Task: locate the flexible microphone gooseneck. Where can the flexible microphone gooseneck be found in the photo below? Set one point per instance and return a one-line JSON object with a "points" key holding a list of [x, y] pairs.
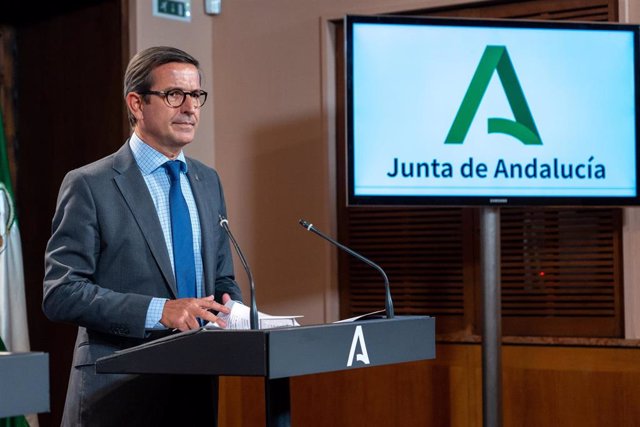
{"points": [[253, 319], [388, 301]]}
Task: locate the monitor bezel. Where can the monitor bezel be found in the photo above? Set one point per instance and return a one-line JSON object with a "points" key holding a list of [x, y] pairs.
{"points": [[495, 200]]}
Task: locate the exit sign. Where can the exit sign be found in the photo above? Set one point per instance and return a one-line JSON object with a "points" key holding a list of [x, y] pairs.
{"points": [[173, 9]]}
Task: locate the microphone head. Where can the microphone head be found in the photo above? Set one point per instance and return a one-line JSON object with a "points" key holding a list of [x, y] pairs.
{"points": [[305, 224], [222, 220]]}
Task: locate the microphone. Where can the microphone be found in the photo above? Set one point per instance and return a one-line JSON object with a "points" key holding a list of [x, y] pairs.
{"points": [[253, 316], [388, 302]]}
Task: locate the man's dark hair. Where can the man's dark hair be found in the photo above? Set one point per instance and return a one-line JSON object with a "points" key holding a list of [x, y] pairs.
{"points": [[137, 77]]}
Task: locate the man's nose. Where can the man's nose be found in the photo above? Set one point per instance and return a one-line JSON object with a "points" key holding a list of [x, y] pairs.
{"points": [[190, 103]]}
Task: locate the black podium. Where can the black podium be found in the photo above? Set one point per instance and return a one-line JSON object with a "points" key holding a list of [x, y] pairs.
{"points": [[278, 354], [24, 383]]}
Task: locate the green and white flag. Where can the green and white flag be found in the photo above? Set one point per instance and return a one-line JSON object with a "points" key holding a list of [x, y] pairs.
{"points": [[14, 334]]}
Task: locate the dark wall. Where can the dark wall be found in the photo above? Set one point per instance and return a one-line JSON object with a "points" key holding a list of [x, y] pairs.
{"points": [[70, 112]]}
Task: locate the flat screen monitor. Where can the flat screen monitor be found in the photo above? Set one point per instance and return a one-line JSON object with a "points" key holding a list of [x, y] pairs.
{"points": [[491, 112]]}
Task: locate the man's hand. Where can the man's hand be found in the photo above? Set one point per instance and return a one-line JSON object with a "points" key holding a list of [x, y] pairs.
{"points": [[182, 313]]}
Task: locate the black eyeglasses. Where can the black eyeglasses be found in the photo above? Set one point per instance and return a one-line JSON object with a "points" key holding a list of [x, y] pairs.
{"points": [[176, 97]]}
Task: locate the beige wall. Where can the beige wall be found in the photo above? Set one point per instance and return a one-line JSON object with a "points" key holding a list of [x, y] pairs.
{"points": [[269, 133], [629, 11], [274, 142]]}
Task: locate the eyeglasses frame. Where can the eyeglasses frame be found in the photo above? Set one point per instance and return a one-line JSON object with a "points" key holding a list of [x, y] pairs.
{"points": [[194, 94]]}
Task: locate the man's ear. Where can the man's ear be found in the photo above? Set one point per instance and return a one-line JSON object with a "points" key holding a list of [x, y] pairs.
{"points": [[134, 103]]}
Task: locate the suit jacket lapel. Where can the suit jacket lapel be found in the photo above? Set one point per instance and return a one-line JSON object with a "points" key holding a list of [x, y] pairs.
{"points": [[208, 222], [135, 192]]}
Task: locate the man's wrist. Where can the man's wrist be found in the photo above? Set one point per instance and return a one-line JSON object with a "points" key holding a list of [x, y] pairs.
{"points": [[154, 313]]}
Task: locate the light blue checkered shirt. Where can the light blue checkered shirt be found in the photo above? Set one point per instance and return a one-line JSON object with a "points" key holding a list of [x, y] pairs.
{"points": [[155, 176]]}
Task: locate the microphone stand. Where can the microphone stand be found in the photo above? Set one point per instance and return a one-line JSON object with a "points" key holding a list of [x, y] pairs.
{"points": [[253, 317], [388, 301]]}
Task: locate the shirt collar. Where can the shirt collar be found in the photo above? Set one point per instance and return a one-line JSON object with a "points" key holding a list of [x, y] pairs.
{"points": [[148, 158]]}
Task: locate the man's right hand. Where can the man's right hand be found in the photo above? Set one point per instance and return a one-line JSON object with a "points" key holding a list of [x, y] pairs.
{"points": [[183, 313]]}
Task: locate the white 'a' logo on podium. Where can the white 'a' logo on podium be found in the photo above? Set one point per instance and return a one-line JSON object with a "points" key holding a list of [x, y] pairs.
{"points": [[363, 356]]}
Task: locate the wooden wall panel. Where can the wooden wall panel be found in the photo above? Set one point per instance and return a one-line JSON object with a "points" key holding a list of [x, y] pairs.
{"points": [[571, 386], [70, 112], [241, 402], [7, 95]]}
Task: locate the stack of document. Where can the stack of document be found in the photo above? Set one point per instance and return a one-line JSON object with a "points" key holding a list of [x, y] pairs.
{"points": [[239, 318]]}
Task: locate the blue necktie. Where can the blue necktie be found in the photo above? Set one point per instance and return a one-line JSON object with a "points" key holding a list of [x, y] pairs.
{"points": [[183, 258]]}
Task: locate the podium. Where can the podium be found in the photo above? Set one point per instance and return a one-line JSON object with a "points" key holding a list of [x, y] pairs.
{"points": [[24, 383], [278, 354]]}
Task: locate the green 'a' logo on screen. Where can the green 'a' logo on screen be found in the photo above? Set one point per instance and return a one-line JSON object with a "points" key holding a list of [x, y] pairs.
{"points": [[523, 128]]}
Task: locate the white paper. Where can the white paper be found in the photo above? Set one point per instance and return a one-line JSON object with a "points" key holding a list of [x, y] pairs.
{"points": [[239, 318], [373, 315]]}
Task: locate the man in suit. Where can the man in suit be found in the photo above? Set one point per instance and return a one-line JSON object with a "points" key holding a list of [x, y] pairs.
{"points": [[136, 252]]}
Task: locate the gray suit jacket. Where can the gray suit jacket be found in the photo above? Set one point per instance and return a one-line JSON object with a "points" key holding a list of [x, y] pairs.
{"points": [[105, 260]]}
